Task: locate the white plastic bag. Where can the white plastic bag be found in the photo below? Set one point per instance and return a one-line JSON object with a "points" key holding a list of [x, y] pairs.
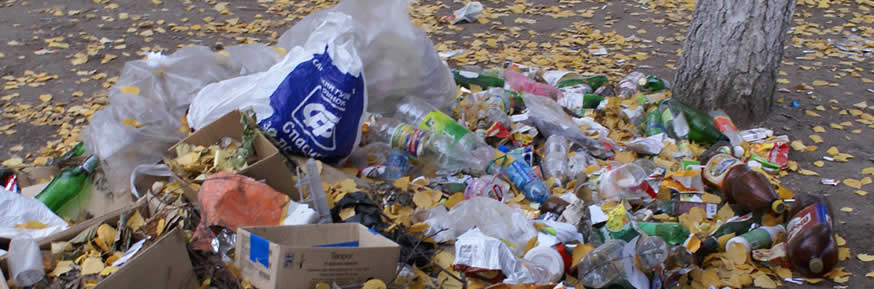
{"points": [[311, 102], [477, 251], [16, 209], [491, 216], [155, 92], [399, 59]]}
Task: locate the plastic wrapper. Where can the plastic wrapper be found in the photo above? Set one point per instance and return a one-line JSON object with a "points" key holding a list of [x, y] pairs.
{"points": [[651, 145], [477, 253], [16, 209], [399, 60], [25, 262], [627, 181], [150, 98], [469, 13], [492, 217], [549, 118]]}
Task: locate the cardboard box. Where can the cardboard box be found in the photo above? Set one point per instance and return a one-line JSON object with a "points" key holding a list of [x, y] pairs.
{"points": [[163, 264], [270, 166], [298, 257]]}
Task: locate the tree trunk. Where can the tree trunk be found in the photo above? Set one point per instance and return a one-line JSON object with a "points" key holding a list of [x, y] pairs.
{"points": [[731, 55]]}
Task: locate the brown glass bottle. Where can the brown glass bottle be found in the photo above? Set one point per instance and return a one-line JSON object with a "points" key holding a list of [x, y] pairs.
{"points": [[811, 245], [553, 205], [741, 185]]}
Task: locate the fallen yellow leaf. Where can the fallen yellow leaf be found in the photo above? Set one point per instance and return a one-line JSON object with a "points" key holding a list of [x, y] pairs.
{"points": [[61, 268], [846, 209], [92, 265], [45, 97], [108, 270], [807, 172], [135, 221], [130, 89], [32, 225], [818, 129], [843, 253], [374, 284], [815, 138], [402, 183], [865, 257], [812, 113], [453, 200], [132, 122]]}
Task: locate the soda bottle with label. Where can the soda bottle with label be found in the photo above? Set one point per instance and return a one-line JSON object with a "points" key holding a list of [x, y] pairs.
{"points": [[441, 151], [723, 122], [741, 185], [519, 82], [523, 177], [812, 247], [428, 117]]}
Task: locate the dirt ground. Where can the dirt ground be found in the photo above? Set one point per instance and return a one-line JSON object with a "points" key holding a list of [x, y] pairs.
{"points": [[48, 92]]}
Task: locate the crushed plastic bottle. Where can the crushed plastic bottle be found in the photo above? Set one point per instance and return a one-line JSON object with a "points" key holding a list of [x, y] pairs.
{"points": [[525, 180], [628, 85]]}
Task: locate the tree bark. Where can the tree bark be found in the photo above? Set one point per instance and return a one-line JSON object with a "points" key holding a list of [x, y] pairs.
{"points": [[731, 55]]}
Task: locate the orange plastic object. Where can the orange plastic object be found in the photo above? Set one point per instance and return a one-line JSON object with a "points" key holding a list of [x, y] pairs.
{"points": [[231, 200]]}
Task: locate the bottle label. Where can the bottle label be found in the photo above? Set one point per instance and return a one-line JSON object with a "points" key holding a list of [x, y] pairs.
{"points": [[438, 122], [758, 238], [408, 138], [717, 168], [667, 116], [519, 173], [724, 124], [806, 218], [372, 171]]}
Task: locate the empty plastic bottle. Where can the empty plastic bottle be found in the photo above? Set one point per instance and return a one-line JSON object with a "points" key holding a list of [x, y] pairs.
{"points": [[555, 159], [741, 185], [674, 122], [628, 85], [489, 186], [441, 151], [517, 81], [603, 266], [812, 247], [723, 122], [524, 179], [313, 183], [761, 237], [397, 164], [427, 117]]}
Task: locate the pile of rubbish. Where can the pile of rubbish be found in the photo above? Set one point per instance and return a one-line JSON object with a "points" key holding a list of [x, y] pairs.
{"points": [[285, 167]]}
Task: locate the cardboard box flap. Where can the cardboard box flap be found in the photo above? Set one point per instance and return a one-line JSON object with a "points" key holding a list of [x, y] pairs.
{"points": [[165, 262], [321, 236]]}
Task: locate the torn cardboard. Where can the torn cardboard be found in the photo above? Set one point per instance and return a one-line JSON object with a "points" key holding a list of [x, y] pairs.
{"points": [[164, 264], [269, 167], [298, 257]]}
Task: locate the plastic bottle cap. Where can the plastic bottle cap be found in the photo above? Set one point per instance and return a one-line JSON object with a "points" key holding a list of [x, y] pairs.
{"points": [[778, 206], [816, 265]]}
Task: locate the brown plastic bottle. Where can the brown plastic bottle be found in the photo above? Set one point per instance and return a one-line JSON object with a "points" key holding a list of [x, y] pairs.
{"points": [[741, 185], [812, 248]]}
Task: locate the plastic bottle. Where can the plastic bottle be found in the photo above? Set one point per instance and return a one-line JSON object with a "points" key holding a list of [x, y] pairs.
{"points": [[737, 225], [652, 83], [555, 159], [25, 262], [489, 186], [677, 208], [67, 185], [428, 117], [550, 259], [466, 78], [627, 181], [524, 178], [812, 247], [724, 124], [654, 122], [674, 122], [517, 81], [671, 232], [741, 185], [651, 251], [603, 266], [761, 237], [397, 164], [440, 151], [628, 85]]}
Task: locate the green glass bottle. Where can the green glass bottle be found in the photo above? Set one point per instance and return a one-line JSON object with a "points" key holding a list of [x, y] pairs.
{"points": [[673, 233], [701, 128], [466, 78], [77, 150], [67, 185], [596, 81], [652, 83], [654, 122]]}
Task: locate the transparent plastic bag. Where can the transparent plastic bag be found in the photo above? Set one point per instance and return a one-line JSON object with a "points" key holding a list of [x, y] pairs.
{"points": [[155, 92], [492, 217], [475, 251], [550, 119], [399, 59]]}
